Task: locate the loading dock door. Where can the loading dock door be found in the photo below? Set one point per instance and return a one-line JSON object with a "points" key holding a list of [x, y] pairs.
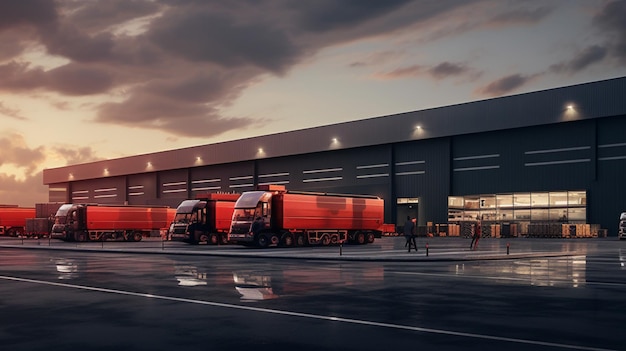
{"points": [[406, 207]]}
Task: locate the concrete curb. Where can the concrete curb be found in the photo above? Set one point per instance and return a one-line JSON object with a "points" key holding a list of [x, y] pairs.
{"points": [[267, 254]]}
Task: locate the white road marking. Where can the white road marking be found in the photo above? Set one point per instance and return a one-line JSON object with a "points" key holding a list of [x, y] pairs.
{"points": [[308, 315]]}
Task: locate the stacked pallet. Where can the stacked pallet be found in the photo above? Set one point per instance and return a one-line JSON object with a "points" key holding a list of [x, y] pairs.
{"points": [[580, 230], [454, 229]]}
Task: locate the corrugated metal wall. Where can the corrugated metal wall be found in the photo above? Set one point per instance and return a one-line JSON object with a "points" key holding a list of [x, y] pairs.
{"points": [[575, 155]]}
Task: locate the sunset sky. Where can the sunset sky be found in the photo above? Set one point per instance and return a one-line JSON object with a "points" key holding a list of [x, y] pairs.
{"points": [[84, 80]]}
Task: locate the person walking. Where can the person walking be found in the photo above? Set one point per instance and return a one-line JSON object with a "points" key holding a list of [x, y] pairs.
{"points": [[409, 233], [476, 236]]}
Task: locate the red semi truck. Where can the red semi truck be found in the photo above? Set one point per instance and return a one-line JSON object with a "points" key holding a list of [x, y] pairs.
{"points": [[204, 220], [13, 219], [86, 222], [301, 218]]}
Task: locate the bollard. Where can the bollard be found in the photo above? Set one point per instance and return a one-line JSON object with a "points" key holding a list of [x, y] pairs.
{"points": [[341, 249], [426, 249], [507, 248]]}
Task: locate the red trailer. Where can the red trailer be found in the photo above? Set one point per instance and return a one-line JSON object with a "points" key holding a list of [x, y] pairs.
{"points": [[85, 222], [205, 219], [299, 218], [13, 219]]}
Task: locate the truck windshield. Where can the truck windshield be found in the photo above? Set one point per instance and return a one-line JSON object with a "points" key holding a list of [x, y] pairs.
{"points": [[61, 215], [244, 214], [185, 217]]}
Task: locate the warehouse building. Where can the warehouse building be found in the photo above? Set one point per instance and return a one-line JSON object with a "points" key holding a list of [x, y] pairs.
{"points": [[554, 156]]}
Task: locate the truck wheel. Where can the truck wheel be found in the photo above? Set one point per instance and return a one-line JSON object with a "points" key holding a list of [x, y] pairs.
{"points": [[360, 238], [370, 238], [325, 240], [213, 239], [137, 236], [263, 241], [300, 241], [223, 239], [203, 238], [79, 237], [274, 240], [287, 240]]}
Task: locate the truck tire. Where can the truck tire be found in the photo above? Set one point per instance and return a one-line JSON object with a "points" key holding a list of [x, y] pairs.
{"points": [[370, 238], [300, 240], [203, 238], [274, 240], [287, 240], [213, 239], [359, 238], [137, 236], [79, 236], [263, 241], [223, 239], [325, 240]]}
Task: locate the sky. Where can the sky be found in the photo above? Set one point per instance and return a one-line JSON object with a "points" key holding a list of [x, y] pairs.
{"points": [[87, 80]]}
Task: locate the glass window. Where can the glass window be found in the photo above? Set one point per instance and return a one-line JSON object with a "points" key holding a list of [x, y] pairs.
{"points": [[487, 202], [522, 215], [558, 214], [577, 198], [455, 201], [539, 215], [521, 200], [505, 215], [504, 200], [455, 215], [558, 199], [471, 215], [472, 202], [577, 215], [539, 199]]}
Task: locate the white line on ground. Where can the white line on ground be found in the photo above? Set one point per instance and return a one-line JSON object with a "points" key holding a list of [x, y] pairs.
{"points": [[307, 315]]}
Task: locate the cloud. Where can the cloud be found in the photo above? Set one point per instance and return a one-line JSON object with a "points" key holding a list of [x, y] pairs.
{"points": [[75, 155], [10, 112], [24, 186], [14, 151], [240, 44], [582, 60], [519, 16], [26, 12], [160, 113], [505, 85], [23, 192], [403, 72], [70, 79], [611, 21], [447, 69], [325, 15], [438, 72]]}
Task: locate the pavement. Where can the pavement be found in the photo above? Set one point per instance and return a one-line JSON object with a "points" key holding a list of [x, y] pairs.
{"points": [[383, 249]]}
